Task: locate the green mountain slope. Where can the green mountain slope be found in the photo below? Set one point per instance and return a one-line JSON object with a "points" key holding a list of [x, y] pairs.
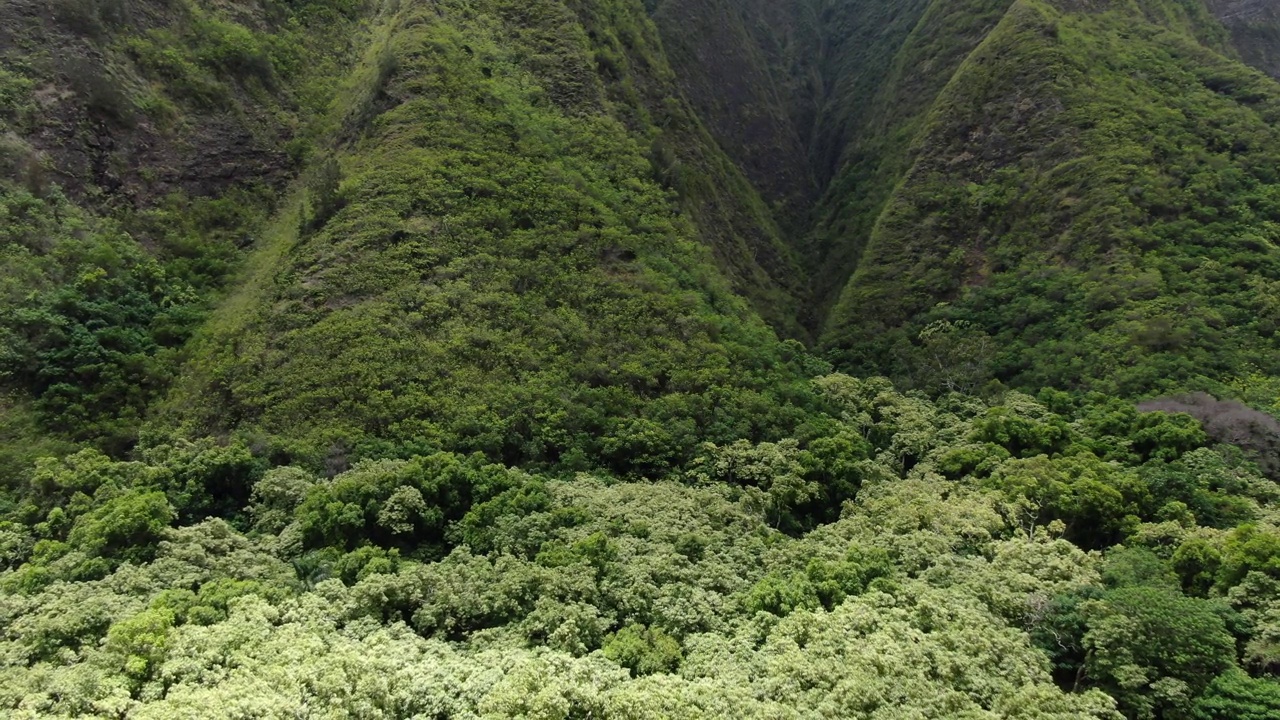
{"points": [[750, 70], [884, 85], [1255, 31], [140, 146], [499, 269], [730, 216], [906, 218], [818, 102], [1092, 190], [460, 359]]}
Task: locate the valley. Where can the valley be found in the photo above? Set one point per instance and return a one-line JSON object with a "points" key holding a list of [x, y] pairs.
{"points": [[640, 359]]}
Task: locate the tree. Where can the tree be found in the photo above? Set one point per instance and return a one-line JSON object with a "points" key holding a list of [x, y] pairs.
{"points": [[277, 496], [954, 356], [1154, 649], [1236, 696], [644, 650], [779, 469], [126, 527], [324, 191], [139, 642]]}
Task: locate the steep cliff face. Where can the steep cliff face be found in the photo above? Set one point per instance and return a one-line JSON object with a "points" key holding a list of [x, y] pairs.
{"points": [[130, 100], [502, 259], [818, 101], [737, 214], [752, 71], [1255, 30], [884, 83], [943, 139], [1091, 191], [141, 144]]}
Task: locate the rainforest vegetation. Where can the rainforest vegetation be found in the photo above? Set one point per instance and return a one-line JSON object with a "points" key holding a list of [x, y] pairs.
{"points": [[877, 359]]}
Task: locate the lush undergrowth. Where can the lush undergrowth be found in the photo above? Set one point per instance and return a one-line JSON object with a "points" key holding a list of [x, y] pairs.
{"points": [[109, 265], [89, 320], [490, 265], [1093, 193], [1017, 558], [449, 379]]}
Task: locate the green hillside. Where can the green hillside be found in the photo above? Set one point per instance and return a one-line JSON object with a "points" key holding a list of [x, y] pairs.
{"points": [[640, 359], [1091, 193], [490, 262], [141, 146], [819, 103]]}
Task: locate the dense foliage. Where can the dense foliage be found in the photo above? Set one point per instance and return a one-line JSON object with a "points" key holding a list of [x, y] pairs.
{"points": [[1001, 559], [108, 268], [451, 378], [1093, 191], [490, 266]]}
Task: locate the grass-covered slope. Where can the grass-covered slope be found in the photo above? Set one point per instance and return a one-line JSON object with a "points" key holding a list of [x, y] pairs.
{"points": [[141, 144], [489, 263], [887, 63], [1093, 200]]}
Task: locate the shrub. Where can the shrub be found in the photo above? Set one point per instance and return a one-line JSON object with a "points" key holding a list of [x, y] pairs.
{"points": [[644, 650]]}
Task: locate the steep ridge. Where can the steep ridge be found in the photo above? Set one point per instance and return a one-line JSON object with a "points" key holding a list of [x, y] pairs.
{"points": [[1093, 191], [1255, 31], [141, 143], [751, 71], [911, 212], [865, 87], [730, 215], [883, 87], [813, 147], [818, 101], [148, 142], [491, 264]]}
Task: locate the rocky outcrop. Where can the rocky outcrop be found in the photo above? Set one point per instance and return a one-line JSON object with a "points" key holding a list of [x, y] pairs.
{"points": [[1255, 30], [103, 131]]}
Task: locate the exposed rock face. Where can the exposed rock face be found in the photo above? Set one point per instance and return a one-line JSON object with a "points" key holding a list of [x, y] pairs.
{"points": [[1242, 10], [86, 120], [1255, 30]]}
